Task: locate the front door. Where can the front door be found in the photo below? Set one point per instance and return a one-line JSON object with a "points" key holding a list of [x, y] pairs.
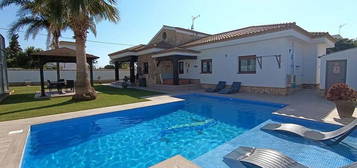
{"points": [[335, 72]]}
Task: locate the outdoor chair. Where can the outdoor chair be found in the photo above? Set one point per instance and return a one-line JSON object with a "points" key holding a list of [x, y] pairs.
{"points": [[221, 85], [307, 133], [51, 85], [70, 85], [234, 88], [247, 157]]}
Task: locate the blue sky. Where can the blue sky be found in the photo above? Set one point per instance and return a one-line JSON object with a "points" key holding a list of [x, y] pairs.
{"points": [[141, 19]]}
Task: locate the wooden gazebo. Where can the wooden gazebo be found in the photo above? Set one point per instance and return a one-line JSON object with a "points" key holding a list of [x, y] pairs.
{"points": [[60, 55]]}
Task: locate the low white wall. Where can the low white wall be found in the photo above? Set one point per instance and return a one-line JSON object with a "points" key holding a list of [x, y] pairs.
{"points": [[351, 57], [17, 76]]}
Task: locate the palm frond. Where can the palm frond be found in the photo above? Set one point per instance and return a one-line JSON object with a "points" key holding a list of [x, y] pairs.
{"points": [[34, 28], [6, 3], [28, 21], [92, 26]]}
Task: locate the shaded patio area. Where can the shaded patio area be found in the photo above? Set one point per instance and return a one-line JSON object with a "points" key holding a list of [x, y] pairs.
{"points": [[59, 55]]}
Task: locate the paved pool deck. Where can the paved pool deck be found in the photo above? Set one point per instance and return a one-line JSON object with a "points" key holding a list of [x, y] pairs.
{"points": [[307, 104]]}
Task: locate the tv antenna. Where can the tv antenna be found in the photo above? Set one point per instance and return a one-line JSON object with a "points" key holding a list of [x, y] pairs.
{"points": [[340, 27], [193, 21]]}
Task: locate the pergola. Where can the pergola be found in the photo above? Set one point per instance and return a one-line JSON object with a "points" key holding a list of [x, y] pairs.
{"points": [[131, 59], [60, 55]]}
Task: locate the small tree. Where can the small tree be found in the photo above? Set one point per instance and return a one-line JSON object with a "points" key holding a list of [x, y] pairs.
{"points": [[31, 63], [109, 67], [343, 44], [13, 51]]}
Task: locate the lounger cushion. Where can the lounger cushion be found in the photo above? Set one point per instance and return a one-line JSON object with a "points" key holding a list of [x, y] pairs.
{"points": [[259, 158], [221, 85], [226, 91]]}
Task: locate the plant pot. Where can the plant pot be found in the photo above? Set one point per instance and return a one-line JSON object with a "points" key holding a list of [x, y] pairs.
{"points": [[345, 108]]}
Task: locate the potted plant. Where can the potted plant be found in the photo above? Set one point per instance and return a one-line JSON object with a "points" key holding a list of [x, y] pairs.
{"points": [[125, 84], [344, 97]]}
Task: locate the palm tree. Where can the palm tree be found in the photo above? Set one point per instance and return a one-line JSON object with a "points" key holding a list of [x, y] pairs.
{"points": [[35, 17], [81, 15]]}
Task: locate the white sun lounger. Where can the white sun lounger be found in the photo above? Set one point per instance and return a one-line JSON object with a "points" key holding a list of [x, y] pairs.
{"points": [[247, 157], [300, 130]]}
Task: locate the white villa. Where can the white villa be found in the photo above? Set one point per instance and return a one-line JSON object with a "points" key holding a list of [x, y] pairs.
{"points": [[272, 59]]}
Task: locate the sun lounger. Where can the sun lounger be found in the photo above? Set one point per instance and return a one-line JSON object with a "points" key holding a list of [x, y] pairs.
{"points": [[234, 88], [221, 85], [264, 158], [307, 133], [247, 157]]}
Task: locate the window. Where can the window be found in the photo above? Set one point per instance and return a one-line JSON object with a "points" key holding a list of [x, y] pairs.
{"points": [[247, 64], [146, 68], [206, 66], [164, 35], [181, 67]]}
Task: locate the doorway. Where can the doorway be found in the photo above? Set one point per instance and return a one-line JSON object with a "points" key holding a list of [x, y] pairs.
{"points": [[335, 72]]}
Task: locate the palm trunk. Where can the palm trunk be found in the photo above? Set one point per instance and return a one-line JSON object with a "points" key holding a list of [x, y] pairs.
{"points": [[55, 40], [83, 88]]}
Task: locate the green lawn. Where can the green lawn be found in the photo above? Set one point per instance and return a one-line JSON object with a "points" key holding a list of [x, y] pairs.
{"points": [[22, 104]]}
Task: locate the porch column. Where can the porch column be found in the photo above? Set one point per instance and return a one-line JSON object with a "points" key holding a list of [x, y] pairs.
{"points": [[132, 70], [116, 64], [58, 71], [43, 94], [175, 70], [91, 72]]}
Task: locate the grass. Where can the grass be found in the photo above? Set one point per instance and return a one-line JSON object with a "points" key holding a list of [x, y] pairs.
{"points": [[22, 103]]}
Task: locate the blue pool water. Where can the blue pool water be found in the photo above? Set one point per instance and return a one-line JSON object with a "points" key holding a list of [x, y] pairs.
{"points": [[141, 137]]}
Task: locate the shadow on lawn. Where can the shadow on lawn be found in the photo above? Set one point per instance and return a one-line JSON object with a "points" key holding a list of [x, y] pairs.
{"points": [[20, 98], [136, 93], [41, 107]]}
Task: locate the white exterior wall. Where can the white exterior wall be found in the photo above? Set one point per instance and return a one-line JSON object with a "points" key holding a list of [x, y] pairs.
{"points": [[321, 51], [33, 76], [305, 62], [299, 56], [225, 61], [351, 57]]}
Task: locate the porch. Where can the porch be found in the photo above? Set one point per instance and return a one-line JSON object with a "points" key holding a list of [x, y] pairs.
{"points": [[132, 60], [170, 74]]}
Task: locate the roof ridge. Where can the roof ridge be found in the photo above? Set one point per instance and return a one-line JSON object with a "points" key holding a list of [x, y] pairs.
{"points": [[287, 23], [176, 27], [251, 31]]}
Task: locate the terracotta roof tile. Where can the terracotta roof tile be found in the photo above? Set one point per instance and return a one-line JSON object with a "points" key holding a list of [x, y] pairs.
{"points": [[177, 49], [322, 34], [61, 52], [162, 45], [130, 49], [248, 32]]}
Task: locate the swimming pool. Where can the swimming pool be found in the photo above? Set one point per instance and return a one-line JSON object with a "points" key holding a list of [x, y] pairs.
{"points": [[142, 137]]}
